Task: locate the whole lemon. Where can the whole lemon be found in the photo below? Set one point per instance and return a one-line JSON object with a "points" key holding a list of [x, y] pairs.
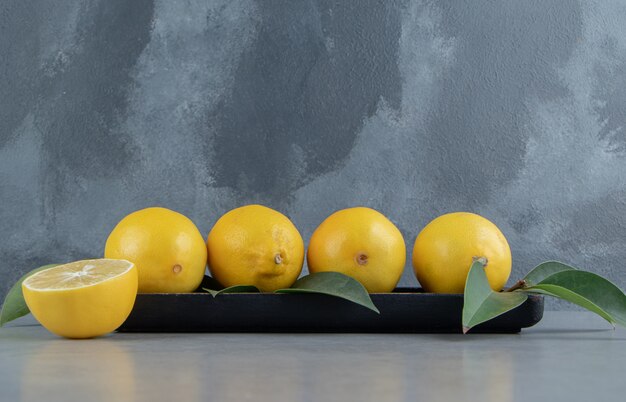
{"points": [[362, 243], [255, 245], [165, 245], [445, 249], [82, 299]]}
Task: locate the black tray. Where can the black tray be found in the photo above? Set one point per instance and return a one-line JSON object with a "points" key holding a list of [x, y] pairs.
{"points": [[406, 310]]}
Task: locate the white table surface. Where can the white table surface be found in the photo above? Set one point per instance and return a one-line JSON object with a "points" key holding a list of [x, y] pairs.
{"points": [[568, 356]]}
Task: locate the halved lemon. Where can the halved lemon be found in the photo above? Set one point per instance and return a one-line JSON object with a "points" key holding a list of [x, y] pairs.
{"points": [[82, 299]]}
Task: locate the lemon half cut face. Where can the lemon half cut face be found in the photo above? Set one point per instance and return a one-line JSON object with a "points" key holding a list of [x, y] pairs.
{"points": [[82, 299]]}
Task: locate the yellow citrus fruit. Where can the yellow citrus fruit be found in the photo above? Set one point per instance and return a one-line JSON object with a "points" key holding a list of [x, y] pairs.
{"points": [[445, 249], [255, 245], [361, 243], [82, 299], [166, 246]]}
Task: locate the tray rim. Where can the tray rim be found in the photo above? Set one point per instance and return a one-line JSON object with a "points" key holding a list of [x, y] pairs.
{"points": [[146, 317], [402, 291]]}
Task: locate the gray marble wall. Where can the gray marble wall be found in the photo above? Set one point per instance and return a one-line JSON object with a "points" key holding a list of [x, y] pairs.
{"points": [[511, 109]]}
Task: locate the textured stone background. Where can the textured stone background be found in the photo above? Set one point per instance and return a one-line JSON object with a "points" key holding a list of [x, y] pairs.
{"points": [[514, 110]]}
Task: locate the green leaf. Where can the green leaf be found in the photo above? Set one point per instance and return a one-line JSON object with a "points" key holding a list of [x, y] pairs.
{"points": [[544, 270], [481, 303], [587, 290], [333, 284], [233, 289], [14, 305]]}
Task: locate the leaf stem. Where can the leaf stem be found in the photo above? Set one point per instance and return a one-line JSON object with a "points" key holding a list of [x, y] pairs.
{"points": [[517, 285]]}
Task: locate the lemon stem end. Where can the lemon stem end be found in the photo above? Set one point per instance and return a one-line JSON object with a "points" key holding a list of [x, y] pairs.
{"points": [[482, 260], [361, 259]]}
